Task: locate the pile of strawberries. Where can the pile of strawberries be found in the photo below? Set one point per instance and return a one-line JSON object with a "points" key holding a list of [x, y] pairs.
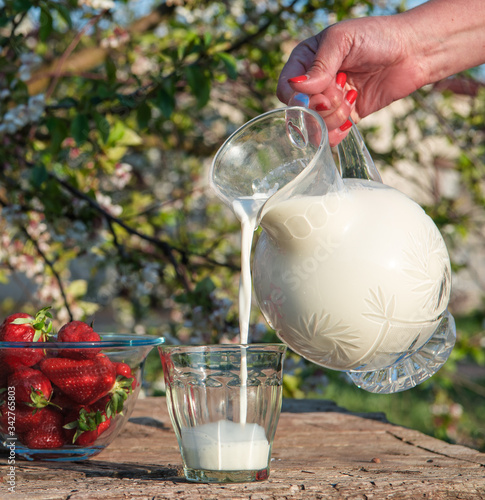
{"points": [[62, 396]]}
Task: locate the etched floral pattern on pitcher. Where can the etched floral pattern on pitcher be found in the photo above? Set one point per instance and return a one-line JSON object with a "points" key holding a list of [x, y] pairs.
{"points": [[363, 275]]}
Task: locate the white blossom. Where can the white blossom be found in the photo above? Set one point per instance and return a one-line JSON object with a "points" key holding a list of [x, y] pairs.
{"points": [[23, 114], [142, 65], [28, 61], [77, 231], [107, 204], [98, 4], [150, 273], [116, 39], [122, 175], [190, 16]]}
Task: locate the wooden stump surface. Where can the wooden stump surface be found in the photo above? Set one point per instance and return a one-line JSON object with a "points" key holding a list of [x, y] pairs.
{"points": [[320, 451]]}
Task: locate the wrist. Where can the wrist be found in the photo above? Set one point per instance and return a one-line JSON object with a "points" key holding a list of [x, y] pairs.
{"points": [[444, 37]]}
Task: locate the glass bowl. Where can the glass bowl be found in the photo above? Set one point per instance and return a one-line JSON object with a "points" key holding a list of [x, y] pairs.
{"points": [[76, 398]]}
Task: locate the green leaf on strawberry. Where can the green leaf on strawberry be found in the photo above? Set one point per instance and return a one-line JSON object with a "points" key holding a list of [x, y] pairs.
{"points": [[89, 424], [30, 387], [19, 327], [2, 400], [40, 324], [38, 400], [119, 394]]}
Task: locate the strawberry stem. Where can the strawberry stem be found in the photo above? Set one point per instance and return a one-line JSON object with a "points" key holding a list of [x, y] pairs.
{"points": [[40, 323], [87, 421]]}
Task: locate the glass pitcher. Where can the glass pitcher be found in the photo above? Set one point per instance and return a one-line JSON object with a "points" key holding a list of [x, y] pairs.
{"points": [[350, 273]]}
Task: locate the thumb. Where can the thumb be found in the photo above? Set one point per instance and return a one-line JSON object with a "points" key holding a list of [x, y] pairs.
{"points": [[326, 63]]}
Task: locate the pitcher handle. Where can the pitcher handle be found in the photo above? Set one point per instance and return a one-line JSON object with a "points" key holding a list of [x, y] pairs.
{"points": [[354, 158]]}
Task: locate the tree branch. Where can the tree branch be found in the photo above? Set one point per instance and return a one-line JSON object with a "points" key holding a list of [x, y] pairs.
{"points": [[62, 60], [91, 57], [49, 263], [166, 249]]}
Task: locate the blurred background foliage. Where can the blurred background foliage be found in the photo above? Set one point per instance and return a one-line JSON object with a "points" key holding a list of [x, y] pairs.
{"points": [[110, 114]]}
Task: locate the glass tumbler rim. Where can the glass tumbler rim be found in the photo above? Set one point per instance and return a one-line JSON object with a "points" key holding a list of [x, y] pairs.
{"points": [[223, 347]]}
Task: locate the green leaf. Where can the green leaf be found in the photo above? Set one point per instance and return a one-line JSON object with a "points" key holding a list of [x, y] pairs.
{"points": [[67, 102], [199, 84], [80, 128], [230, 64], [116, 132], [207, 38], [57, 131], [22, 5], [21, 321], [38, 176], [110, 68], [205, 287], [37, 335], [143, 115], [102, 125], [46, 22], [63, 12], [131, 138], [165, 102], [71, 425]]}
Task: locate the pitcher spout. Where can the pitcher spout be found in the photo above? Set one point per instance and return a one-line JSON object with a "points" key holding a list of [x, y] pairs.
{"points": [[280, 154]]}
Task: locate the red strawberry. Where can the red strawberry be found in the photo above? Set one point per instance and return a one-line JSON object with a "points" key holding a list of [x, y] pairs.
{"points": [[114, 401], [124, 370], [84, 427], [21, 327], [64, 403], [78, 331], [83, 380], [102, 404], [31, 387], [26, 418], [90, 437], [4, 373], [49, 434]]}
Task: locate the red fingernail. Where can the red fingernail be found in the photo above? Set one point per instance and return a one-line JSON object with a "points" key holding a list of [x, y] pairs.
{"points": [[321, 107], [351, 96], [346, 126], [298, 79], [341, 79]]}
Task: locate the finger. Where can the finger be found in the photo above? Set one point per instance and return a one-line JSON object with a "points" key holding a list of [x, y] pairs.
{"points": [[332, 46], [318, 102], [303, 72], [339, 116], [284, 90], [299, 61], [336, 91], [321, 104], [336, 136]]}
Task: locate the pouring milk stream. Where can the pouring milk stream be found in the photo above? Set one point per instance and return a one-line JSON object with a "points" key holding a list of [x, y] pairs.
{"points": [[246, 210], [226, 445]]}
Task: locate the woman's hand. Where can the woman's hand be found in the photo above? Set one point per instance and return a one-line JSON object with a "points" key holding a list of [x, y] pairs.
{"points": [[352, 68], [382, 59]]}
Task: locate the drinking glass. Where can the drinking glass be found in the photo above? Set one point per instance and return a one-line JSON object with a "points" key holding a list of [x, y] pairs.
{"points": [[224, 402]]}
